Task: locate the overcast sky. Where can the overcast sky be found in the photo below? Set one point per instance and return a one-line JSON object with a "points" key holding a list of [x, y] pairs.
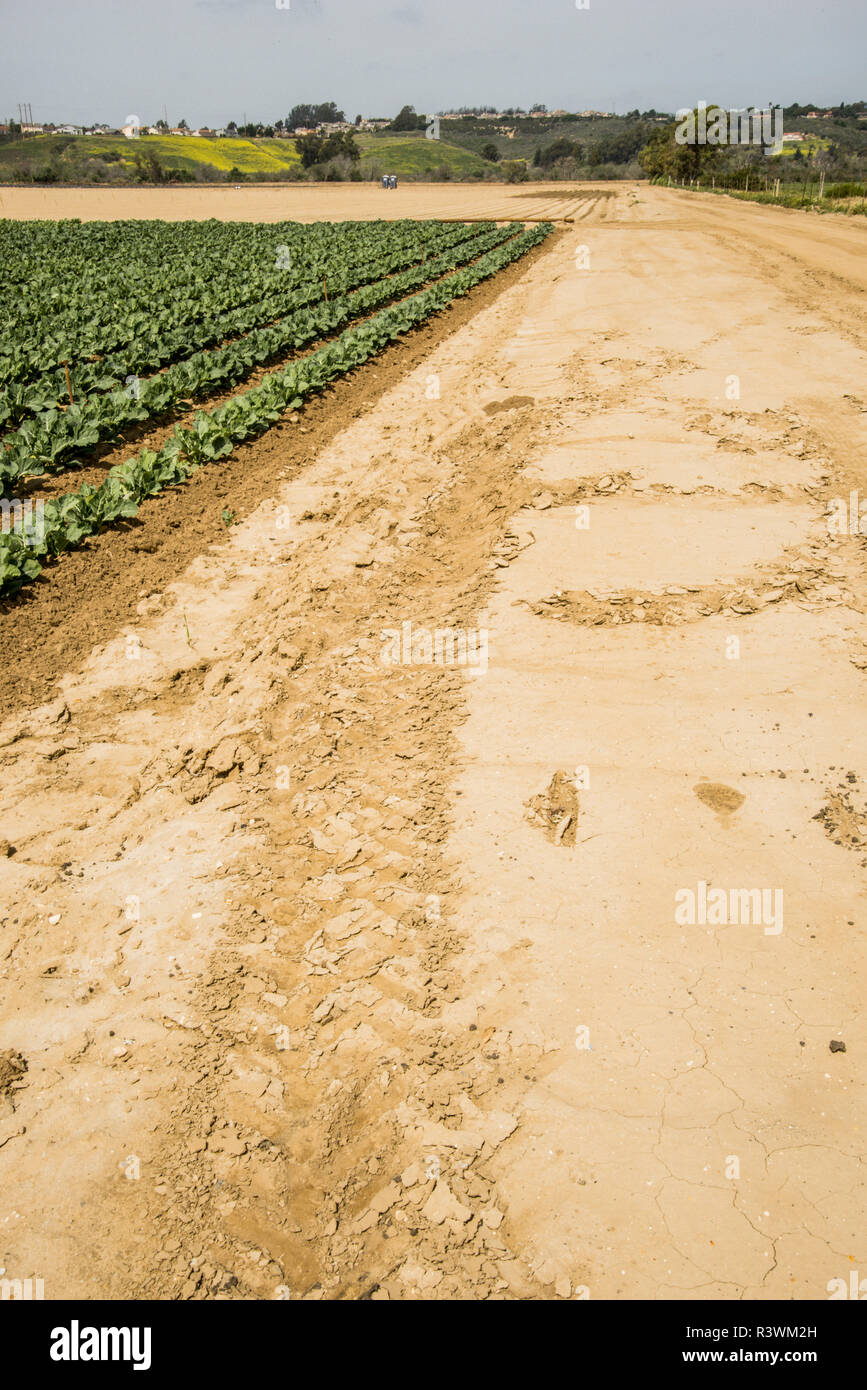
{"points": [[210, 61]]}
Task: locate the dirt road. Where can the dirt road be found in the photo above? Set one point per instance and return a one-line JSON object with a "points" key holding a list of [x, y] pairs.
{"points": [[330, 976]]}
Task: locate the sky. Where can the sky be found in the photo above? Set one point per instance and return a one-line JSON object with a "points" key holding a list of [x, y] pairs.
{"points": [[212, 61]]}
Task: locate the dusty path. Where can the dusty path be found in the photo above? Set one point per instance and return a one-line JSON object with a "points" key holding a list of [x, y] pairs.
{"points": [[342, 979]]}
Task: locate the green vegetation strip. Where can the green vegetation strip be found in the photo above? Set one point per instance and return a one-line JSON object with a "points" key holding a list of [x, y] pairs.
{"points": [[44, 444], [65, 522], [71, 294], [202, 319]]}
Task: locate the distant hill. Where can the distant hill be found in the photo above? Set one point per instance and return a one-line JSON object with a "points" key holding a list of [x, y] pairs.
{"points": [[416, 155], [107, 159]]}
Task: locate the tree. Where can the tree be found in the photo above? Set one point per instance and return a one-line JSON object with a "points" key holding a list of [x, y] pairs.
{"points": [[307, 115], [490, 152], [162, 125], [559, 149], [182, 125], [515, 170], [678, 150], [406, 119], [317, 149], [148, 169]]}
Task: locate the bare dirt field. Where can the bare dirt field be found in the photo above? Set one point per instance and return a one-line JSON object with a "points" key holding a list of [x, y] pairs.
{"points": [[313, 202], [330, 978]]}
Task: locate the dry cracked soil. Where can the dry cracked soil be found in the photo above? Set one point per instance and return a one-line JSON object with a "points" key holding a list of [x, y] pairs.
{"points": [[334, 971]]}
